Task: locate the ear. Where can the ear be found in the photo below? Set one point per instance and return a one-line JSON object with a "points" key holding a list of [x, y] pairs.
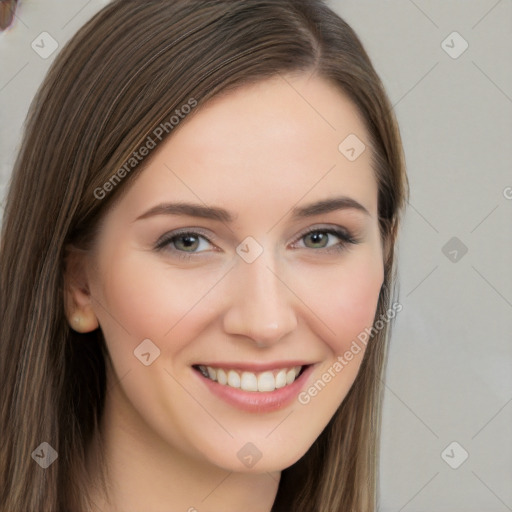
{"points": [[77, 296]]}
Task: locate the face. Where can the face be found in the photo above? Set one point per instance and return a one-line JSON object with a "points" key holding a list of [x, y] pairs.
{"points": [[267, 293]]}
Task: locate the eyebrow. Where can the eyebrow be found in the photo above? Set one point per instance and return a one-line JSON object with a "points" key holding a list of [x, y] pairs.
{"points": [[222, 215]]}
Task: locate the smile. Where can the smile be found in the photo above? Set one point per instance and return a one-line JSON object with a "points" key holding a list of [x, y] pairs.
{"points": [[255, 388], [252, 381]]}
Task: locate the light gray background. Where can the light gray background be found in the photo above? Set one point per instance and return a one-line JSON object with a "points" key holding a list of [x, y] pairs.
{"points": [[450, 370]]}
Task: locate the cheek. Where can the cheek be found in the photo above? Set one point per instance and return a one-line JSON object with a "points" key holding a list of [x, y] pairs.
{"points": [[346, 300], [143, 298]]}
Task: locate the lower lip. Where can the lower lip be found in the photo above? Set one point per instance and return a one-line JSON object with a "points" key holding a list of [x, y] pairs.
{"points": [[256, 401]]}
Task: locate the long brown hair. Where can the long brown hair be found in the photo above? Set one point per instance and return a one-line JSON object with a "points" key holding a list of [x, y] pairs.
{"points": [[123, 74]]}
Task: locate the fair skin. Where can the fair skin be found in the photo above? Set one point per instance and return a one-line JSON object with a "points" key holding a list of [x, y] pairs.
{"points": [[258, 152]]}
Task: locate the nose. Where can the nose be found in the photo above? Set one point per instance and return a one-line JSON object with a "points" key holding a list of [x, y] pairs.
{"points": [[261, 306]]}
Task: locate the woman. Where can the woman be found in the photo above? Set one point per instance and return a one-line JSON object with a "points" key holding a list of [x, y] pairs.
{"points": [[197, 265]]}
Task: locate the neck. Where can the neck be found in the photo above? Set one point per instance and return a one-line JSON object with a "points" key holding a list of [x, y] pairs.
{"points": [[145, 473]]}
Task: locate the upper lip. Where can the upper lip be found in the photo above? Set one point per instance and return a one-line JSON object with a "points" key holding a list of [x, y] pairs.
{"points": [[254, 367]]}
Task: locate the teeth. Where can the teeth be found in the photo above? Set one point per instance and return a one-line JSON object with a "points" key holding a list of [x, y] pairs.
{"points": [[266, 382], [249, 381], [204, 371], [281, 379], [233, 379], [290, 376], [222, 377]]}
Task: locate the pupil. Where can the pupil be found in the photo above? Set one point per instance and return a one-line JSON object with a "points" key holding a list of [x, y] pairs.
{"points": [[188, 241], [317, 237]]}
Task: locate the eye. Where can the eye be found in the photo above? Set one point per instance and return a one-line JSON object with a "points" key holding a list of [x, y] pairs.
{"points": [[325, 238], [183, 243]]}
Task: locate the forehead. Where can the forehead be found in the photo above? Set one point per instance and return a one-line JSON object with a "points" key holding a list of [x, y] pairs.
{"points": [[273, 141]]}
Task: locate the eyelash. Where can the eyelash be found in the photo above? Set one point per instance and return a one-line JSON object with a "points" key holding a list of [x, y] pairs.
{"points": [[165, 241]]}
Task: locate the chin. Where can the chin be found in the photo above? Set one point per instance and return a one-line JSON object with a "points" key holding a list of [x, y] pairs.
{"points": [[265, 459]]}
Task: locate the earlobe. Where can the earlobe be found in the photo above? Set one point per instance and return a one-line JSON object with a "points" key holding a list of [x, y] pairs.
{"points": [[83, 321], [77, 297]]}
